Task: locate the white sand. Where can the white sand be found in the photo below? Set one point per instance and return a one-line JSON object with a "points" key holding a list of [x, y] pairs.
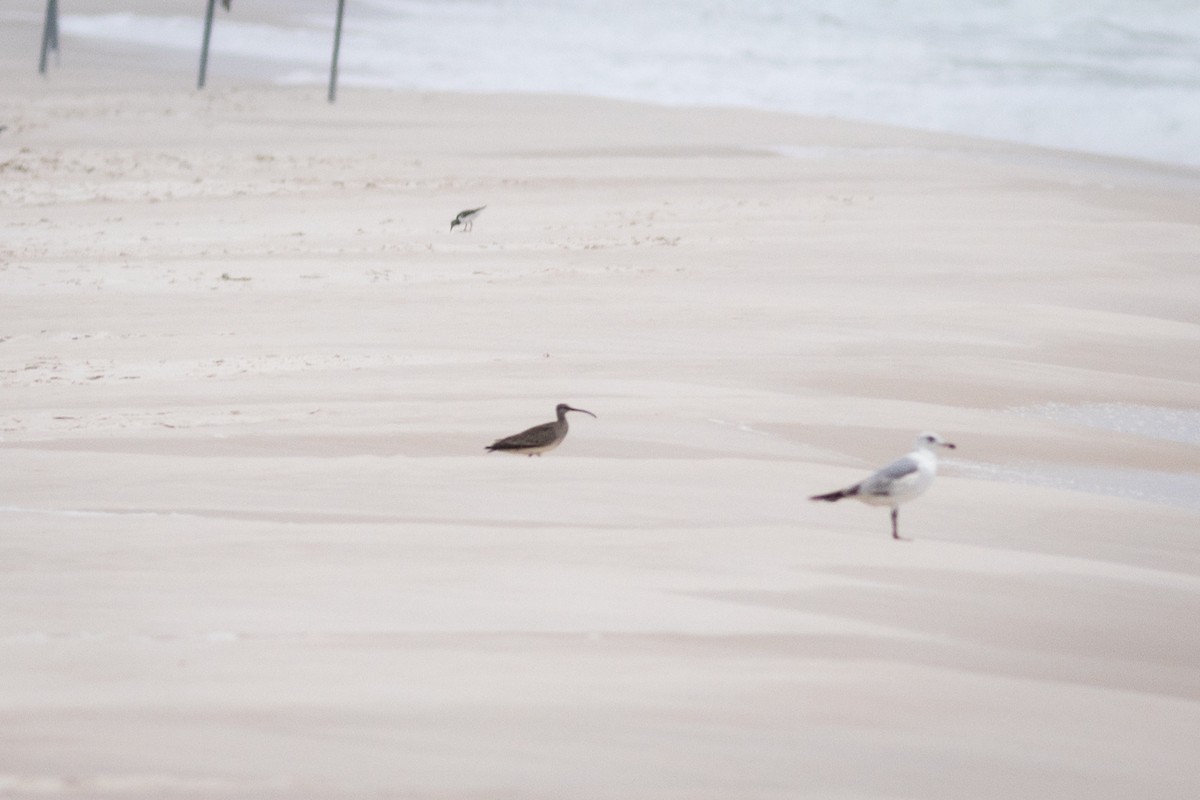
{"points": [[252, 546]]}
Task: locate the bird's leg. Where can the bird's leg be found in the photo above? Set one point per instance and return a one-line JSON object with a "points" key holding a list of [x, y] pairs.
{"points": [[895, 527]]}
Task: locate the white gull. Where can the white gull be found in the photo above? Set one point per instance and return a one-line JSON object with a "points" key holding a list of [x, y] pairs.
{"points": [[904, 479]]}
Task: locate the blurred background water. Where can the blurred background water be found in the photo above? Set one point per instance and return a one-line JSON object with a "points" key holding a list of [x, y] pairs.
{"points": [[1099, 76]]}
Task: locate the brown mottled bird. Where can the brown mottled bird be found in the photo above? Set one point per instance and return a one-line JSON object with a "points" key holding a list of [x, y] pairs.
{"points": [[539, 438]]}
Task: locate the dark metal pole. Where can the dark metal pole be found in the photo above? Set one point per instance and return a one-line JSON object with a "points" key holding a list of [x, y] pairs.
{"points": [[49, 33], [337, 46], [204, 47], [54, 28]]}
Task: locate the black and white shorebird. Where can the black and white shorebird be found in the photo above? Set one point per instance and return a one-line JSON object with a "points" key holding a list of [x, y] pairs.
{"points": [[539, 438], [467, 218], [904, 479]]}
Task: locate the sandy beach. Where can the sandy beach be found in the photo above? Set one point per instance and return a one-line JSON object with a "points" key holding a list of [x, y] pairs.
{"points": [[253, 546]]}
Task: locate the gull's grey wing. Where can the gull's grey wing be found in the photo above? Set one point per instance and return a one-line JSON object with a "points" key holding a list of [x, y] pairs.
{"points": [[881, 481]]}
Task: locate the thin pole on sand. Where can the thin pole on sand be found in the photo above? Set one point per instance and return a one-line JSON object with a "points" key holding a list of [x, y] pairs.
{"points": [[49, 34], [208, 16], [337, 46]]}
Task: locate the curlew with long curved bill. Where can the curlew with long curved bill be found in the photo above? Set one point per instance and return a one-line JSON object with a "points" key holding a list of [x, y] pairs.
{"points": [[539, 438]]}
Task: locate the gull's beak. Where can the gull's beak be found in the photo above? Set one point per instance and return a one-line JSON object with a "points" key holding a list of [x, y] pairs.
{"points": [[948, 444], [582, 411]]}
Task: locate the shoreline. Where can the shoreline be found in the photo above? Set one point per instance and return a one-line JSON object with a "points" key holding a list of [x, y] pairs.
{"points": [[251, 72]]}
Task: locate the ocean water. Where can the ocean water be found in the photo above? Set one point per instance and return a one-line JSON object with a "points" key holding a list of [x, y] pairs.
{"points": [[1152, 422], [1099, 76], [1181, 490], [1180, 425]]}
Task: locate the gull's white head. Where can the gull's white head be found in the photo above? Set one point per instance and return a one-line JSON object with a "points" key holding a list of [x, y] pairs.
{"points": [[931, 441]]}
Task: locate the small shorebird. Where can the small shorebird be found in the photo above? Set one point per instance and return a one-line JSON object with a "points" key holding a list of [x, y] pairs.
{"points": [[467, 218], [539, 438], [900, 481]]}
